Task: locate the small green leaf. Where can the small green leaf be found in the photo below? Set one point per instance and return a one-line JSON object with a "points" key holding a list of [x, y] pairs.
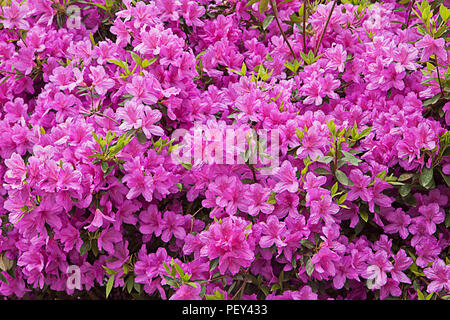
{"points": [[3, 278], [263, 6], [404, 190], [325, 159], [309, 267], [364, 215], [343, 179], [426, 176], [267, 21], [306, 243], [420, 295], [213, 264], [109, 285]]}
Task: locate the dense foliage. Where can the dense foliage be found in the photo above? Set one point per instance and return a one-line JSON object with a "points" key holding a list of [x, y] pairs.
{"points": [[92, 92]]}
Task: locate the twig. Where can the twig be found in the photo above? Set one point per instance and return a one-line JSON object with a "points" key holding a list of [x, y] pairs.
{"points": [[409, 13], [316, 49], [304, 26], [275, 14], [241, 289], [438, 76]]}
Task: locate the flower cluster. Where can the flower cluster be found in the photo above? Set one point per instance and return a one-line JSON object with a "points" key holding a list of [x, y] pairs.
{"points": [[357, 208]]}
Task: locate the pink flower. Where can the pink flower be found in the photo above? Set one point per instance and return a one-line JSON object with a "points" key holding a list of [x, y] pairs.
{"points": [[101, 82], [257, 200], [325, 262], [15, 15], [312, 143], [337, 57], [228, 242], [172, 225], [150, 221], [187, 292], [440, 273], [287, 179], [433, 215], [323, 209], [360, 186], [131, 114], [97, 221], [273, 233], [376, 272], [432, 46]]}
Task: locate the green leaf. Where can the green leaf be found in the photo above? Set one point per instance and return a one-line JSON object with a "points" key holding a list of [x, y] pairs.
{"points": [[405, 176], [179, 270], [309, 267], [322, 171], [444, 12], [263, 6], [446, 178], [351, 158], [343, 179], [3, 278], [130, 284], [342, 199], [420, 295], [109, 285], [105, 167], [426, 176], [325, 159], [213, 264], [136, 58], [404, 190], [251, 2], [218, 295], [364, 133], [147, 63], [334, 189], [364, 215], [306, 243], [267, 21], [447, 220]]}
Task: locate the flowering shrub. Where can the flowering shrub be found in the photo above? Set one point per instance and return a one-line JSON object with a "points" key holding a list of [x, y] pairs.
{"points": [[93, 204]]}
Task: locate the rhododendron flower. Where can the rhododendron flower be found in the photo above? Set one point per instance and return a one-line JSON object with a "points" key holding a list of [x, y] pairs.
{"points": [[227, 241], [14, 16], [101, 82], [440, 273], [376, 272], [187, 292], [286, 175], [431, 46]]}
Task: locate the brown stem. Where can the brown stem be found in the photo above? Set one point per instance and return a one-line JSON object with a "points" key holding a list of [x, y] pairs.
{"points": [[241, 289], [304, 26], [325, 28], [275, 14], [409, 13], [439, 77]]}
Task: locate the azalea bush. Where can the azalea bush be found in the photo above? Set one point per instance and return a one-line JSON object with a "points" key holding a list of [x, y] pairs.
{"points": [[352, 202]]}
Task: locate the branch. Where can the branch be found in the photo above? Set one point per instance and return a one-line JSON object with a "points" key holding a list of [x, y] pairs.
{"points": [[325, 28], [275, 13]]}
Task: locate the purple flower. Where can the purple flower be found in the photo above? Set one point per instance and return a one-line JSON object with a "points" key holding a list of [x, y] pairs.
{"points": [[325, 262], [440, 273], [187, 292], [376, 272], [228, 241], [172, 225], [433, 216], [432, 46], [286, 177], [273, 233]]}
